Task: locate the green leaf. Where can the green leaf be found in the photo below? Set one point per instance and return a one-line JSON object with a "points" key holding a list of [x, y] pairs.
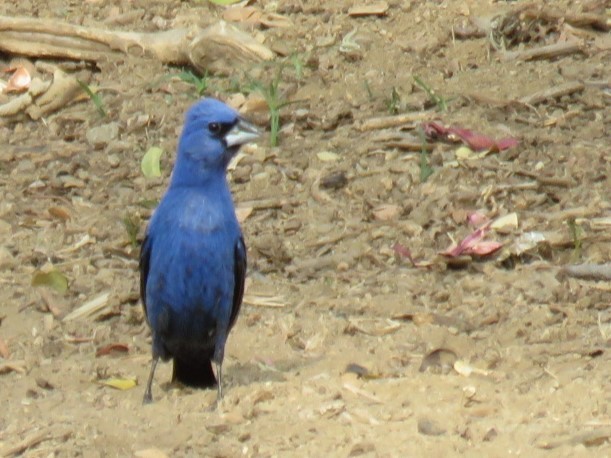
{"points": [[224, 2], [54, 279], [149, 203], [95, 98], [150, 162], [119, 383]]}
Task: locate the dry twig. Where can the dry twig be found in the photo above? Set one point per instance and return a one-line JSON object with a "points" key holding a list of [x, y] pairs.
{"points": [[553, 93], [545, 52], [598, 272]]}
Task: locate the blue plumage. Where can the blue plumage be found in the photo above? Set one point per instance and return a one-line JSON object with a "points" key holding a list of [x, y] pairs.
{"points": [[193, 259]]}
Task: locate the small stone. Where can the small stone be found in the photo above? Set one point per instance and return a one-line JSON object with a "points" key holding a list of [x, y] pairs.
{"points": [[429, 427], [100, 136], [5, 227], [114, 160], [7, 260]]}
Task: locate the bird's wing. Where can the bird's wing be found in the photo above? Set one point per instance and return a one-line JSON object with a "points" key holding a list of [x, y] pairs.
{"points": [[145, 258], [239, 271]]}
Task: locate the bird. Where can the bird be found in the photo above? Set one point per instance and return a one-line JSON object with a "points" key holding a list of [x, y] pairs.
{"points": [[193, 258]]}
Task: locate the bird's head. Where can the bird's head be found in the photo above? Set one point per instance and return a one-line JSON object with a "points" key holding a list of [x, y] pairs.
{"points": [[211, 136]]}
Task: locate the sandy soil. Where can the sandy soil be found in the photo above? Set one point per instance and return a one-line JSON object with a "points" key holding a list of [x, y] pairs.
{"points": [[343, 348]]}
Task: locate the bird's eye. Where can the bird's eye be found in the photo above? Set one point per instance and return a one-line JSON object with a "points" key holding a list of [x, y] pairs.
{"points": [[215, 128]]}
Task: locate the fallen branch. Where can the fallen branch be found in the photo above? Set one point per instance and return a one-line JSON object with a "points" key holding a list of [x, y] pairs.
{"points": [[598, 272], [552, 93], [544, 52], [27, 443], [217, 49], [385, 122], [399, 140]]}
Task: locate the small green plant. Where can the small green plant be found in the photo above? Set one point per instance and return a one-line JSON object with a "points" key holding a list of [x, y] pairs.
{"points": [[425, 167], [131, 223], [94, 96], [199, 83], [576, 234], [298, 66], [150, 204], [393, 103], [439, 101], [275, 102], [368, 90]]}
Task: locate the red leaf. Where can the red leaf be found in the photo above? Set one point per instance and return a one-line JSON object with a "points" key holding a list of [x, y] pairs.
{"points": [[469, 243], [404, 252], [476, 219], [483, 248], [112, 348], [474, 140]]}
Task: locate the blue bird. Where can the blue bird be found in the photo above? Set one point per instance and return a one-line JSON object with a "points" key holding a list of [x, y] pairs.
{"points": [[193, 258]]}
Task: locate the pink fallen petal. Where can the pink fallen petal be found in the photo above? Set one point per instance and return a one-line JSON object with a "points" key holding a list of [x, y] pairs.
{"points": [[404, 252], [469, 241], [506, 143], [434, 130], [477, 142], [474, 140], [476, 218], [483, 248]]}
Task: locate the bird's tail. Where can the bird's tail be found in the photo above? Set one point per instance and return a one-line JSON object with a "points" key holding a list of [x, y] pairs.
{"points": [[195, 373]]}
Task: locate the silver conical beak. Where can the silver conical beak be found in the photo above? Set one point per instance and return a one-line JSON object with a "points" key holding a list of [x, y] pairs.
{"points": [[243, 132]]}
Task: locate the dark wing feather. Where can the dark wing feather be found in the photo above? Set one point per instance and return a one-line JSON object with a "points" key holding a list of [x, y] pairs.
{"points": [[145, 258], [239, 269]]}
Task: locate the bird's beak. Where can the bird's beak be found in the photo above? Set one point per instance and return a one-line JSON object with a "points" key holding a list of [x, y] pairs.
{"points": [[243, 132]]}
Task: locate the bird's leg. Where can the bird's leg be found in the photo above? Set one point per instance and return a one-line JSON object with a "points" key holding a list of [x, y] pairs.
{"points": [[219, 376], [219, 355], [148, 395]]}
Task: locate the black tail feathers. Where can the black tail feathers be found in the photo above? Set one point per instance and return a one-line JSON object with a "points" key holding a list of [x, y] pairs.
{"points": [[195, 373]]}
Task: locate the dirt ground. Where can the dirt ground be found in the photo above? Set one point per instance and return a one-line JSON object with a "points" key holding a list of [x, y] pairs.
{"points": [[343, 347]]}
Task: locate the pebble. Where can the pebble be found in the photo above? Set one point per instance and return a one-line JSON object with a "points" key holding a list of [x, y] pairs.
{"points": [[7, 260], [100, 136]]}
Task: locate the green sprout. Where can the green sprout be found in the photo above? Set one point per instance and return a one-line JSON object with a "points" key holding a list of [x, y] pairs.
{"points": [[368, 90], [131, 224], [94, 96], [439, 101], [393, 102], [425, 167], [298, 65], [576, 234], [199, 83], [275, 102]]}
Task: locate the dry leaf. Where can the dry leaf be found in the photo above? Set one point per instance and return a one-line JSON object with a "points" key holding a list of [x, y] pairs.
{"points": [[14, 366], [242, 213], [373, 327], [465, 369], [4, 351], [19, 81], [327, 156], [505, 224], [386, 212], [150, 453], [369, 9], [253, 16], [59, 213]]}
